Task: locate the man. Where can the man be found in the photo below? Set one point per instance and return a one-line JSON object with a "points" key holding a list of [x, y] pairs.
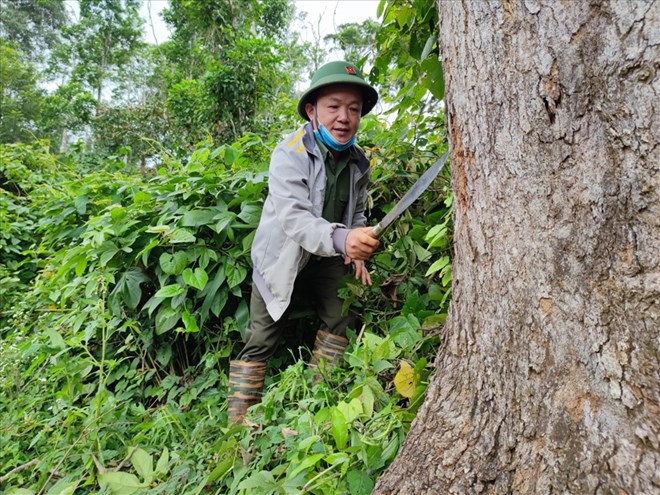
{"points": [[312, 227]]}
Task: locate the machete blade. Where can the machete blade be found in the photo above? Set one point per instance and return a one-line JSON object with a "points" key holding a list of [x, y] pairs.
{"points": [[409, 198]]}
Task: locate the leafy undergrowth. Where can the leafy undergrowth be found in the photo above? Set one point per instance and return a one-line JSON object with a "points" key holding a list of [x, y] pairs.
{"points": [[125, 296], [332, 437]]}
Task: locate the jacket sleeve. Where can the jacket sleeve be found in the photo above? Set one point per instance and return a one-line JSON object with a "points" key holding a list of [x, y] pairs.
{"points": [[291, 189]]}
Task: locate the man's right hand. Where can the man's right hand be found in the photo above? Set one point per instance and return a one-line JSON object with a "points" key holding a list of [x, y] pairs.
{"points": [[360, 245]]}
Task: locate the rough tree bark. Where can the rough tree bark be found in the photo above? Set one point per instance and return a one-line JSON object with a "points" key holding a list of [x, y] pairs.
{"points": [[548, 378]]}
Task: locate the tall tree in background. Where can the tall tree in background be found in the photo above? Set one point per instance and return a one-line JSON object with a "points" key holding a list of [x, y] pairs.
{"points": [[105, 39], [136, 123], [28, 32], [32, 27], [547, 381], [66, 111], [20, 96], [95, 63], [228, 69], [356, 40]]}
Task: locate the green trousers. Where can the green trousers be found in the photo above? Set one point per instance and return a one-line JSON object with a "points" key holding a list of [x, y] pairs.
{"points": [[317, 284]]}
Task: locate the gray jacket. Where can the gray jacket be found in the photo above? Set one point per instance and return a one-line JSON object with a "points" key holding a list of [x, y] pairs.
{"points": [[291, 228]]}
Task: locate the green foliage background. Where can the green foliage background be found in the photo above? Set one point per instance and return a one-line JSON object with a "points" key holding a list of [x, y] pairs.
{"points": [[124, 289]]}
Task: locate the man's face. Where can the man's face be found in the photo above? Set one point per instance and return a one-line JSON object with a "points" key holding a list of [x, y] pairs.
{"points": [[338, 108]]}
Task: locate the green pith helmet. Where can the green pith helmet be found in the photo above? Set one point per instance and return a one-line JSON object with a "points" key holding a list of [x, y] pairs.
{"points": [[338, 73]]}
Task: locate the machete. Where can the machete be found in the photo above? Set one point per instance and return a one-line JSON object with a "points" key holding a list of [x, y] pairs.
{"points": [[409, 198]]}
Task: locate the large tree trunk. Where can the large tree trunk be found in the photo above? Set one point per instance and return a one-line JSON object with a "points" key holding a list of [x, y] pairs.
{"points": [[548, 378]]}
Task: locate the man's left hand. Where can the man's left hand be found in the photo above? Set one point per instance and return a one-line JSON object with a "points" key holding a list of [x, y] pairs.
{"points": [[361, 272]]}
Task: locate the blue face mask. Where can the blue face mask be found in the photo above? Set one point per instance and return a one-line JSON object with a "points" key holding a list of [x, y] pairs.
{"points": [[326, 138]]}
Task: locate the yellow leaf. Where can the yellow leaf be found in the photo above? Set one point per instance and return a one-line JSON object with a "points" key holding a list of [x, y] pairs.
{"points": [[404, 381], [158, 229]]}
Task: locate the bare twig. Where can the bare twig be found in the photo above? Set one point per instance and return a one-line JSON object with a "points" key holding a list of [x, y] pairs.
{"points": [[18, 469], [153, 29]]}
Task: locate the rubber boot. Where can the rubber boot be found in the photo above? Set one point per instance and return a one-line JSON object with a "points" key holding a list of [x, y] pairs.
{"points": [[327, 347], [246, 382]]}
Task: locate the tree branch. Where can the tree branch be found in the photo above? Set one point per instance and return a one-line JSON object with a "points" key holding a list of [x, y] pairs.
{"points": [[18, 469]]}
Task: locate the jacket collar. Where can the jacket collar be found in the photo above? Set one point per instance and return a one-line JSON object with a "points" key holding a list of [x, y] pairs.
{"points": [[310, 145]]}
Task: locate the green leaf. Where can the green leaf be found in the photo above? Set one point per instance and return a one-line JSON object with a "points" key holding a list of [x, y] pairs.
{"points": [[80, 203], [435, 79], [404, 14], [428, 46], [235, 274], [163, 461], [221, 469], [169, 291], [307, 462], [200, 155], [203, 256], [390, 449], [152, 304], [437, 265], [120, 483], [131, 291], [306, 444], [189, 322], [250, 214], [242, 316], [197, 278], [117, 212], [386, 350], [80, 266], [211, 293], [261, 481], [337, 458], [339, 428], [219, 301], [141, 198], [178, 300], [381, 365], [224, 220], [143, 464], [248, 240], [164, 354], [62, 487], [404, 331], [196, 218], [436, 292], [180, 236], [56, 340], [173, 264], [350, 410], [421, 253], [230, 156], [166, 318], [107, 255], [415, 47], [147, 251], [437, 236], [368, 399], [359, 483], [446, 279]]}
